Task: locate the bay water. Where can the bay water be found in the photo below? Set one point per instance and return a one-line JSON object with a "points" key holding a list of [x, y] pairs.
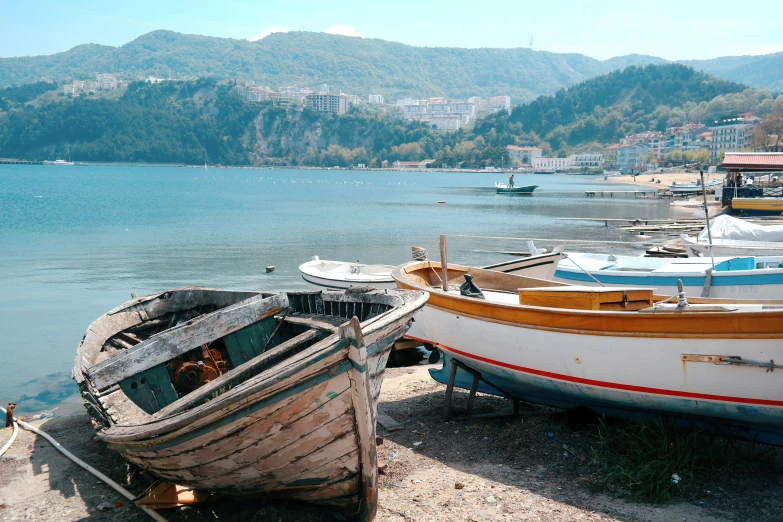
{"points": [[75, 241]]}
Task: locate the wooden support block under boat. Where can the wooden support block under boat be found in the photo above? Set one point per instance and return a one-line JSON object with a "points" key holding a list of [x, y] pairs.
{"points": [[176, 341]]}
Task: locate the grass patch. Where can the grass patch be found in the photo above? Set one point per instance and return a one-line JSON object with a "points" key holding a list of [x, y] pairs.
{"points": [[651, 462]]}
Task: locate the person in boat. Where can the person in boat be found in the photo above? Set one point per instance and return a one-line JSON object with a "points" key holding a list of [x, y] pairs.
{"points": [[511, 181]]}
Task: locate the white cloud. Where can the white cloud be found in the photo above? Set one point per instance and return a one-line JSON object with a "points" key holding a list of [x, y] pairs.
{"points": [[345, 30], [268, 31]]}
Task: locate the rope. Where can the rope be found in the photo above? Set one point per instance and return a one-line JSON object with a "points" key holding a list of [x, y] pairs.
{"points": [[11, 440], [565, 256], [121, 490]]}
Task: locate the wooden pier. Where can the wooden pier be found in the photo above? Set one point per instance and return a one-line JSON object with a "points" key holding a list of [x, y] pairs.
{"points": [[12, 161], [637, 221], [652, 193]]}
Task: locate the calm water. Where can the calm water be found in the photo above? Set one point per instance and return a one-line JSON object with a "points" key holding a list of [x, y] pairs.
{"points": [[75, 241]]}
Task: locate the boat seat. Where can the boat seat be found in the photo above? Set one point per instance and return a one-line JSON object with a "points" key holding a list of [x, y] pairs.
{"points": [[587, 298]]}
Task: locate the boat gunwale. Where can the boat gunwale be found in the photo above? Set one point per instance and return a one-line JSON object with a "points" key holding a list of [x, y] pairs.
{"points": [[599, 318]]}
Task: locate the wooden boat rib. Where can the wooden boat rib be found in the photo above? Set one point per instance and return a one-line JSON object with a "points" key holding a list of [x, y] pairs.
{"points": [[619, 351], [291, 414]]}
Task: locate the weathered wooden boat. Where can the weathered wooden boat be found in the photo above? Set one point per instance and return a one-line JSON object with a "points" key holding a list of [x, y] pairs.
{"points": [[746, 277], [522, 191], [342, 274], [619, 351], [247, 394]]}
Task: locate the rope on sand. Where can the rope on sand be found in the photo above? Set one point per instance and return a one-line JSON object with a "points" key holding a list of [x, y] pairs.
{"points": [[121, 490]]}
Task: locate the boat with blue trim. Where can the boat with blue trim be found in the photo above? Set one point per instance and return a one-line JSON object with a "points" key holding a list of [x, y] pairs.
{"points": [[746, 277], [247, 394], [620, 351]]}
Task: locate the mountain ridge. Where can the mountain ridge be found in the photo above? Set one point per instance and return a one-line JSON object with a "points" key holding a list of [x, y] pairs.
{"points": [[362, 65]]}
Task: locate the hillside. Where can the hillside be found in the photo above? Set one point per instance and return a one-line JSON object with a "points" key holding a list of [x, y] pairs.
{"points": [[357, 65], [177, 122], [764, 72], [602, 110]]}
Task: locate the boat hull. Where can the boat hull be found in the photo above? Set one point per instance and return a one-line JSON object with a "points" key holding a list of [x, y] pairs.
{"points": [[617, 375], [522, 191], [302, 428], [758, 205], [736, 284], [321, 283]]}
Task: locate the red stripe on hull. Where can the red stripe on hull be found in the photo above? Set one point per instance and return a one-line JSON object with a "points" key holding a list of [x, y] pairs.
{"points": [[605, 384]]}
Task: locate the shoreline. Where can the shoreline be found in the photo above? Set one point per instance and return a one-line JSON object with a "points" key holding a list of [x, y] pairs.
{"points": [[667, 178], [476, 469]]}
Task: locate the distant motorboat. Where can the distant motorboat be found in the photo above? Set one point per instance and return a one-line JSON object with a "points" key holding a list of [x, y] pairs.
{"points": [[58, 162], [524, 191]]}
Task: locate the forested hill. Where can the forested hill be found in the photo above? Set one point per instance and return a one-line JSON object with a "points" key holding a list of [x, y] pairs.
{"points": [[357, 65], [177, 122], [604, 109]]}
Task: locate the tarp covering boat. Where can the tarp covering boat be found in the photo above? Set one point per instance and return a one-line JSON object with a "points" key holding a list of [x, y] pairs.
{"points": [[727, 227]]}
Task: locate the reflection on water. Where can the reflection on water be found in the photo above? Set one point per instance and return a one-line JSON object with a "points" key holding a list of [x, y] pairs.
{"points": [[74, 242]]}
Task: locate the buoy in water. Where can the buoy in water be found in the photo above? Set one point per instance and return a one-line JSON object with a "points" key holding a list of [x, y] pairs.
{"points": [[442, 202]]}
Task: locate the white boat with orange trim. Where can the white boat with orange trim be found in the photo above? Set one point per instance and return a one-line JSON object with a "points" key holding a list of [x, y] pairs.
{"points": [[619, 351]]}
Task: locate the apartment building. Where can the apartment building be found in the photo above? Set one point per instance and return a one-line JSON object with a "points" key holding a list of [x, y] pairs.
{"points": [[732, 134], [376, 99], [591, 160], [656, 141], [629, 155], [334, 103], [546, 164], [610, 155], [106, 81]]}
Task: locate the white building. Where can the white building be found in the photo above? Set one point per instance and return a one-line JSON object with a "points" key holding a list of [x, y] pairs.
{"points": [[323, 88], [445, 122], [524, 155], [591, 160], [547, 164], [500, 102], [106, 81], [334, 103], [376, 99], [407, 101], [733, 134]]}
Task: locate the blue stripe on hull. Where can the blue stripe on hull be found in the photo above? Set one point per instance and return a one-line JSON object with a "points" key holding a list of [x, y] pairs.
{"points": [[548, 392], [718, 279]]}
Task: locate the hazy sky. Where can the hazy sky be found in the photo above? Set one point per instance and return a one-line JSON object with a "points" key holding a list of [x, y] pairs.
{"points": [[599, 28]]}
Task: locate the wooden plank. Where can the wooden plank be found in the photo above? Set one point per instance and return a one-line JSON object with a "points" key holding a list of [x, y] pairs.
{"points": [[325, 323], [365, 421], [176, 341], [247, 343], [387, 422]]}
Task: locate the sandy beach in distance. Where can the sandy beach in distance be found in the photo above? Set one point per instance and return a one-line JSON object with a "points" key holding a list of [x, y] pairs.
{"points": [[666, 178]]}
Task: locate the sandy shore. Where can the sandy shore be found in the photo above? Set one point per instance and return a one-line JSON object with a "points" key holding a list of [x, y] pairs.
{"points": [[681, 178], [511, 468]]}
